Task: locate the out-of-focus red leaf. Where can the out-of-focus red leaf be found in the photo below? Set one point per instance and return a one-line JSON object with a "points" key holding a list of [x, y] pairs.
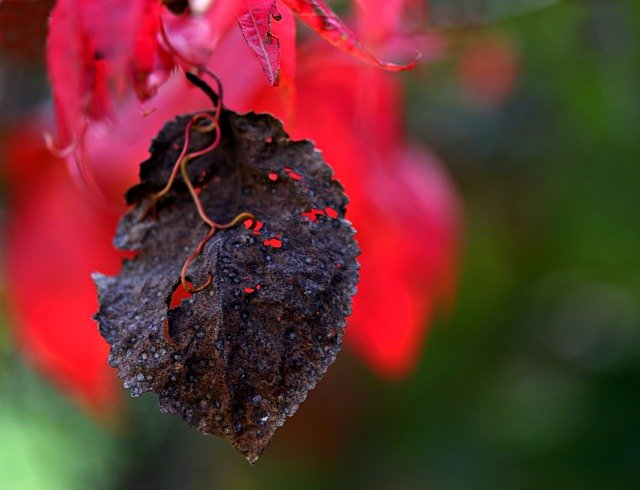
{"points": [[151, 63], [488, 71], [380, 18], [66, 66], [285, 29], [319, 17], [87, 50], [396, 27], [409, 267], [255, 23], [402, 204], [96, 46], [192, 37], [55, 238]]}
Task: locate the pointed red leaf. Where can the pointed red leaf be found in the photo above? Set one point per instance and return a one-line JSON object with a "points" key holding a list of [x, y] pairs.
{"points": [[285, 30], [402, 203], [255, 24], [319, 17], [87, 49], [150, 63], [65, 54], [54, 238]]}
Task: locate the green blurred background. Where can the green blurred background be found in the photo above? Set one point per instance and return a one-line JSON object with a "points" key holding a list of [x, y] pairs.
{"points": [[532, 380]]}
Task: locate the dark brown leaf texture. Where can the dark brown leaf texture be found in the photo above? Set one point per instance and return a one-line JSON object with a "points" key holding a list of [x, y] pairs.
{"points": [[255, 341]]}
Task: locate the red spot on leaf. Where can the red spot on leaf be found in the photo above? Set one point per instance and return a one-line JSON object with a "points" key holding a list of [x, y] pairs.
{"points": [[313, 214], [178, 295], [293, 174], [256, 229], [332, 213], [250, 290], [273, 242], [404, 207], [130, 254], [411, 198], [273, 176]]}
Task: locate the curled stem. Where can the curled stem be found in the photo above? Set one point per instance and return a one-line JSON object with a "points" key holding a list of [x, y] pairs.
{"points": [[185, 157], [211, 125], [168, 338], [213, 227]]}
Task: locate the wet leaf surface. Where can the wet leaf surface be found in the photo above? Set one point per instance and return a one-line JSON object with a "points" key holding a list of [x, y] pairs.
{"points": [[252, 344]]}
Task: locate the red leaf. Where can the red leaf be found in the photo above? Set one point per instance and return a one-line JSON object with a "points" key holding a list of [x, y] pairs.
{"points": [[285, 29], [55, 238], [328, 25], [255, 24], [150, 63], [488, 71], [404, 207], [399, 290], [87, 50], [95, 46], [66, 66], [380, 20]]}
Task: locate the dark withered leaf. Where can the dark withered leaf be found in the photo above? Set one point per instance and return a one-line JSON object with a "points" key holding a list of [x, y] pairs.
{"points": [[268, 327]]}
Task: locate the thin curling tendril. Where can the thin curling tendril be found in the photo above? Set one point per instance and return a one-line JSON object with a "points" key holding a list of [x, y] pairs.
{"points": [[211, 125]]}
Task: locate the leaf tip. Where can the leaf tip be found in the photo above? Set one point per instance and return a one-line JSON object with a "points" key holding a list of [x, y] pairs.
{"points": [[395, 67]]}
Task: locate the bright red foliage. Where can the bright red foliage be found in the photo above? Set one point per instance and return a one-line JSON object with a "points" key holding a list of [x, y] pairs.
{"points": [[255, 24], [55, 239], [402, 204], [88, 46], [96, 48], [405, 210], [322, 20]]}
